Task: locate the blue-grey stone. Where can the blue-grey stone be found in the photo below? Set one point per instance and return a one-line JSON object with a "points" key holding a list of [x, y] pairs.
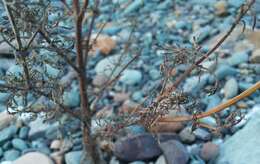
{"points": [[137, 96], [212, 101], [244, 85], [73, 157], [202, 134], [242, 147], [135, 129], [131, 77], [137, 162], [112, 65], [231, 88], [224, 71], [51, 71], [72, 98], [238, 58], [112, 30], [154, 74], [195, 83], [24, 131], [136, 4], [52, 132], [201, 34], [7, 134], [4, 97], [15, 70], [235, 3], [19, 144], [11, 155]]}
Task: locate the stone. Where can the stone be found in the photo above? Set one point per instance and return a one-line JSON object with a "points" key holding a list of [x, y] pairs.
{"points": [[242, 147], [11, 155], [224, 71], [131, 77], [32, 158], [212, 101], [1, 152], [56, 144], [235, 3], [100, 80], [136, 4], [19, 144], [6, 119], [154, 74], [121, 97], [201, 34], [238, 58], [174, 152], [202, 134], [72, 98], [73, 157], [187, 135], [51, 71], [7, 134], [57, 157], [255, 58], [104, 44], [220, 8], [24, 132], [111, 66], [168, 127], [231, 88], [195, 83], [129, 149], [209, 151], [161, 160], [15, 70]]}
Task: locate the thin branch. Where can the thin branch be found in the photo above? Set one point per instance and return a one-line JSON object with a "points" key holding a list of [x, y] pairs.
{"points": [[216, 109]]}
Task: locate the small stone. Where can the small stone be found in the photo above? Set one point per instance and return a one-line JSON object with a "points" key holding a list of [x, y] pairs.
{"points": [[56, 144], [100, 80], [161, 160], [136, 4], [1, 152], [221, 8], [255, 58], [131, 77], [72, 98], [231, 88], [224, 71], [7, 134], [57, 158], [187, 135], [32, 158], [168, 127], [19, 144], [73, 157], [209, 151], [129, 149], [24, 131], [11, 155], [174, 152], [154, 74], [5, 120], [121, 97], [104, 44], [238, 58], [202, 134]]}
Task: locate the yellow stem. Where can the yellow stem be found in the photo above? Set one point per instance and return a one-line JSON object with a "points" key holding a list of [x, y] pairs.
{"points": [[216, 109]]}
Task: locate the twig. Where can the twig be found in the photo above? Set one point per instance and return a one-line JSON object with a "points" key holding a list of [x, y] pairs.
{"points": [[216, 109]]}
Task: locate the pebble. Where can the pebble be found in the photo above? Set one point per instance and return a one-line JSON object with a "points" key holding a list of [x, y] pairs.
{"points": [[32, 158], [131, 77], [24, 132], [104, 44], [231, 88], [129, 149], [161, 160], [19, 144], [187, 135], [71, 98], [221, 8], [11, 155], [174, 152], [136, 4], [238, 58], [209, 151], [73, 157], [5, 119], [202, 134], [99, 80], [7, 134], [224, 71], [55, 144], [172, 127], [255, 58]]}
